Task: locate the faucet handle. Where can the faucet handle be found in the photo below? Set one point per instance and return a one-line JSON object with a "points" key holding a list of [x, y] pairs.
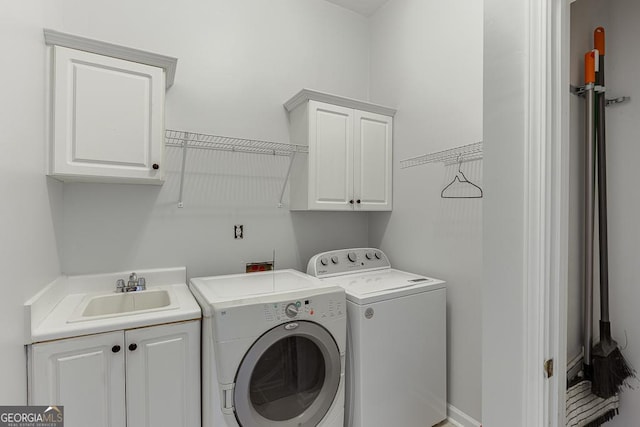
{"points": [[120, 285], [133, 277], [142, 284]]}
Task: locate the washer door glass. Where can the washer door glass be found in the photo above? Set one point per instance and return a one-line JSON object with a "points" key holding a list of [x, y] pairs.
{"points": [[289, 377]]}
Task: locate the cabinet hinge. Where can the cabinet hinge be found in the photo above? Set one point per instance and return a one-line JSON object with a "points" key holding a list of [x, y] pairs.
{"points": [[548, 367]]}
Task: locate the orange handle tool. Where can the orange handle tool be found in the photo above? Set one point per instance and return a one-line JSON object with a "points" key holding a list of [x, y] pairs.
{"points": [[589, 67], [598, 40]]}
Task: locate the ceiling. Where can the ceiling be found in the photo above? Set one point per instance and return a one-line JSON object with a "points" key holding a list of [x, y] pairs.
{"points": [[363, 7]]}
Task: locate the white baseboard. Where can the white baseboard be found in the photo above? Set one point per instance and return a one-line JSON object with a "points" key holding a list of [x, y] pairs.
{"points": [[460, 419]]}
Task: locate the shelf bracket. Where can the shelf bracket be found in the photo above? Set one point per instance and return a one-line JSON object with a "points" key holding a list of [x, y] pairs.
{"points": [[286, 178], [580, 90], [185, 143], [619, 100]]}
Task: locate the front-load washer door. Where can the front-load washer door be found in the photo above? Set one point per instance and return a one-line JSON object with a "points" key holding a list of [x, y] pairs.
{"points": [[289, 377]]}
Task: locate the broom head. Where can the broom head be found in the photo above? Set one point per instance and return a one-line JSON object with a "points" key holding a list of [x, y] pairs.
{"points": [[610, 369]]}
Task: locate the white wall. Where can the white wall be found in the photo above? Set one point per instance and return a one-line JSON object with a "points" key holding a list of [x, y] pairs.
{"points": [[238, 61], [426, 60], [31, 203], [623, 150], [505, 66]]}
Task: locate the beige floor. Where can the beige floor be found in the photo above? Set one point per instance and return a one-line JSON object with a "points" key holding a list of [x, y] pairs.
{"points": [[445, 424]]}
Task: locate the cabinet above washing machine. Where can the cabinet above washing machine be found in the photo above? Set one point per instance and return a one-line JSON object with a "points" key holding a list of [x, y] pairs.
{"points": [[349, 164]]}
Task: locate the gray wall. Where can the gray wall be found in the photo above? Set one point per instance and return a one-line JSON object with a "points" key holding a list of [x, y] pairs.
{"points": [[505, 95], [426, 59], [622, 64], [237, 63], [28, 252], [623, 57], [586, 15]]}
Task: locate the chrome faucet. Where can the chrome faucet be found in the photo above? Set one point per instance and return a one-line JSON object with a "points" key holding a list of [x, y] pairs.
{"points": [[135, 283]]}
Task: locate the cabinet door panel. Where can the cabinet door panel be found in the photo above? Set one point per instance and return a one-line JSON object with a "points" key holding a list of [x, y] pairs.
{"points": [[85, 376], [108, 117], [163, 376], [372, 166], [330, 157], [106, 129]]}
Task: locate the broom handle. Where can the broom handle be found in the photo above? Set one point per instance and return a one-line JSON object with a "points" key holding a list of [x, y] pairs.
{"points": [[589, 64], [602, 180]]}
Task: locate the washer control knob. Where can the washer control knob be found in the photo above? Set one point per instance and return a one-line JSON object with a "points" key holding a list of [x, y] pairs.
{"points": [[324, 261], [352, 256], [291, 310], [369, 255], [377, 255], [334, 259]]}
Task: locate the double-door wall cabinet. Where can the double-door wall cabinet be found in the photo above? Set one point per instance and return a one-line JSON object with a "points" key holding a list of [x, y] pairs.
{"points": [[139, 377], [349, 164], [107, 111]]}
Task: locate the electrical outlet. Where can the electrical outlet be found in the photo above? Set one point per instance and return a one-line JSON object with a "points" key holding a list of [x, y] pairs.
{"points": [[238, 231]]}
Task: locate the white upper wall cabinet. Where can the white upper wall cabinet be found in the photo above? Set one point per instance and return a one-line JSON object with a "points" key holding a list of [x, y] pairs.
{"points": [[107, 122], [350, 151]]}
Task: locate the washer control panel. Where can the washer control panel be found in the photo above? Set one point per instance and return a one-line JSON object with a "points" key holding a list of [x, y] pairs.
{"points": [[313, 308], [345, 261]]}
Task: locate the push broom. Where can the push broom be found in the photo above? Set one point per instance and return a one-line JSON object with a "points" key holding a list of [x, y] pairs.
{"points": [[610, 369], [584, 408]]}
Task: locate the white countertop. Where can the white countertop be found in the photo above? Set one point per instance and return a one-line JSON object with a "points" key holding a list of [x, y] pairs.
{"points": [[52, 313]]}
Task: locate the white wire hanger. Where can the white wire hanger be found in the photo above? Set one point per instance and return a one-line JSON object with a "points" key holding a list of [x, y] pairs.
{"points": [[461, 179]]}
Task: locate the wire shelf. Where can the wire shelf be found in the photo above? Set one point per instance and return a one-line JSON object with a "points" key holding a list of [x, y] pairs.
{"points": [[188, 140], [178, 138], [448, 157]]}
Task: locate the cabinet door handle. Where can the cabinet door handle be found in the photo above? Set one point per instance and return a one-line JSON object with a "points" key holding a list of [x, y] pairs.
{"points": [[132, 347], [115, 348], [155, 166], [351, 201], [358, 201]]}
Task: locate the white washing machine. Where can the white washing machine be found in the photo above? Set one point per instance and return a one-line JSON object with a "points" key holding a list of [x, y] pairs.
{"points": [[273, 350], [396, 339]]}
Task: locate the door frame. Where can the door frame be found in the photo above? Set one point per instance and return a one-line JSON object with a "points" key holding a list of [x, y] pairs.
{"points": [[546, 212]]}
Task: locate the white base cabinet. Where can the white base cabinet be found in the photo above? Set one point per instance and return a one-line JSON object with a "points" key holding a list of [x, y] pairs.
{"points": [[84, 374], [134, 378], [349, 165]]}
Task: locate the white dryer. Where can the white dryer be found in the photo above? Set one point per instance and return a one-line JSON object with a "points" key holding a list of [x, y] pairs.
{"points": [[396, 339], [273, 350]]}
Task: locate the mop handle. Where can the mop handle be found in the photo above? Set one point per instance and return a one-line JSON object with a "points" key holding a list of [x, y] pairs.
{"points": [[599, 43], [598, 40], [589, 79]]}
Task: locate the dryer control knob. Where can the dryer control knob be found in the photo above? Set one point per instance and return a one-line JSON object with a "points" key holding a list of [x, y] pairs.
{"points": [[352, 256], [324, 261], [369, 255], [377, 255], [334, 259], [291, 310]]}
